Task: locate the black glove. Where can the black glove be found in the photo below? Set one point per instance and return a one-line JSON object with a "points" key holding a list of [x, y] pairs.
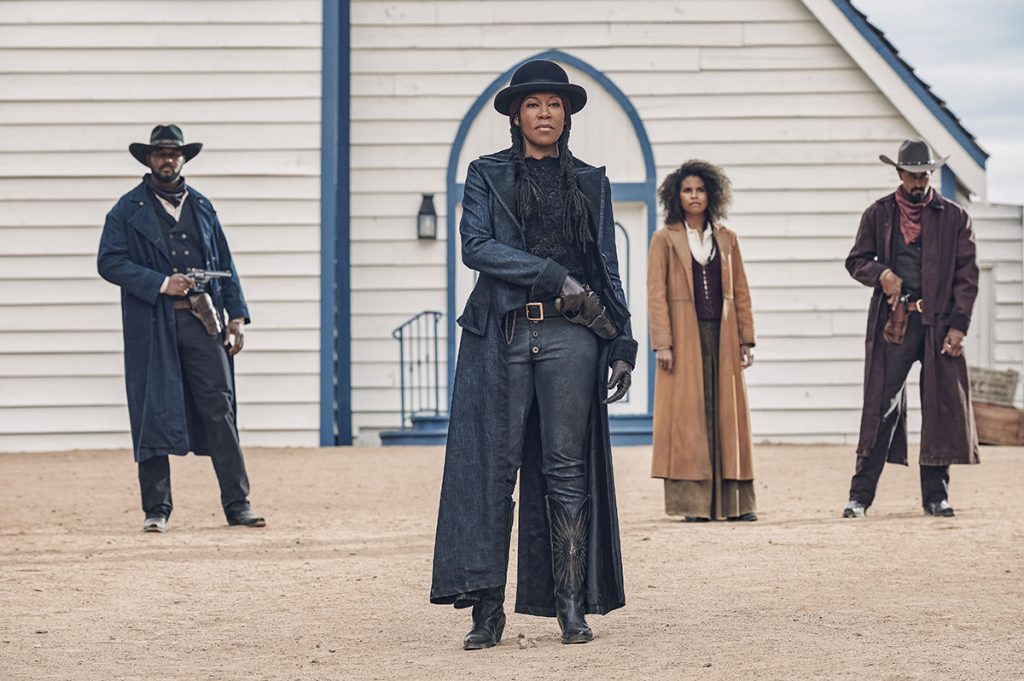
{"points": [[621, 379], [572, 297]]}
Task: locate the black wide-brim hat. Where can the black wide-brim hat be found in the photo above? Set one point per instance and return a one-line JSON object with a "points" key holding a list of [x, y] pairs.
{"points": [[166, 137], [915, 156], [540, 75]]}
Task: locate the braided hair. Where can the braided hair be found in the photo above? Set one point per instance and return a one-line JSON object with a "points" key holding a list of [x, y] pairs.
{"points": [[575, 213]]}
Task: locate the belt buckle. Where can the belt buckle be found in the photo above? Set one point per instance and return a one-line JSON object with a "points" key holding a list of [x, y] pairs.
{"points": [[540, 311]]}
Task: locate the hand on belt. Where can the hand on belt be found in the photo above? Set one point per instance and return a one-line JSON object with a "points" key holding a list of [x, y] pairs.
{"points": [[537, 312]]}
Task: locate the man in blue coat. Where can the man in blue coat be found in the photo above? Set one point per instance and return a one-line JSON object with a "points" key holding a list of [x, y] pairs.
{"points": [[178, 351]]}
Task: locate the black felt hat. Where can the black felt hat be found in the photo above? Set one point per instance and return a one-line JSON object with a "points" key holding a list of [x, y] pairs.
{"points": [[167, 137], [915, 156], [540, 75]]}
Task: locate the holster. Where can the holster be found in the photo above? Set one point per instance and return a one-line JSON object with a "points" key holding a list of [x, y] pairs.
{"points": [[593, 315], [896, 325], [202, 308]]}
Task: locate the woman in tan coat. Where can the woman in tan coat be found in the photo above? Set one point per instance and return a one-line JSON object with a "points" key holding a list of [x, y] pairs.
{"points": [[702, 330]]}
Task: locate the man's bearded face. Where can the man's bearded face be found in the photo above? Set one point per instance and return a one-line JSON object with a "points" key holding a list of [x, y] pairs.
{"points": [[915, 184]]}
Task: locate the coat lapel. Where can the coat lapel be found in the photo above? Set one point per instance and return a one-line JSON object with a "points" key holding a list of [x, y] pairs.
{"points": [[501, 177], [681, 246], [146, 221], [931, 240], [887, 218]]}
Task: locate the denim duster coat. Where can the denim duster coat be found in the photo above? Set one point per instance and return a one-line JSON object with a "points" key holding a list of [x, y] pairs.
{"points": [[949, 283], [134, 255], [475, 516]]}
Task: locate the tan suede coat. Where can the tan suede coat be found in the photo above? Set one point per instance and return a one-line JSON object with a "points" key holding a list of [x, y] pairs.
{"points": [[680, 427]]}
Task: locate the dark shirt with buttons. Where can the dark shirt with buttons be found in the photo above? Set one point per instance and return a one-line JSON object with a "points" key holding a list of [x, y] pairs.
{"points": [[183, 240]]}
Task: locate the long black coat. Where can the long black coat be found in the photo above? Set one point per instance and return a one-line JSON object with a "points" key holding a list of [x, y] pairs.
{"points": [[134, 255], [471, 546], [949, 283]]}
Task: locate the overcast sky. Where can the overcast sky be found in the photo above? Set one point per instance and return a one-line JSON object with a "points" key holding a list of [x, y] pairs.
{"points": [[972, 55]]}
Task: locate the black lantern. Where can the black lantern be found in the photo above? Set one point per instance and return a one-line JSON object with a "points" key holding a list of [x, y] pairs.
{"points": [[426, 221]]}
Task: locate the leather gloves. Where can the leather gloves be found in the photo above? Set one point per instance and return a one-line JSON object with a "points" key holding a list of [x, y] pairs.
{"points": [[571, 297], [620, 380], [233, 336]]}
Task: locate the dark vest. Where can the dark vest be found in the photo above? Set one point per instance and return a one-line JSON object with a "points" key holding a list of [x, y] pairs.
{"points": [[183, 240], [906, 261], [707, 288]]}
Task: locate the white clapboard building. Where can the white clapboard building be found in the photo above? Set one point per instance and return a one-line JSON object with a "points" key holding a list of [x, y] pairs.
{"points": [[326, 123]]}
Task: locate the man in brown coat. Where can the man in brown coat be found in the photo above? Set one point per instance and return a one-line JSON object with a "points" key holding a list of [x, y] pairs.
{"points": [[916, 249]]}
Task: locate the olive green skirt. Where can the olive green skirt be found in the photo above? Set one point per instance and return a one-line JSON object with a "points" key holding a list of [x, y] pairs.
{"points": [[714, 499]]}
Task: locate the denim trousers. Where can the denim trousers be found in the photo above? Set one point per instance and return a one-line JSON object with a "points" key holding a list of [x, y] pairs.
{"points": [[551, 363], [206, 372]]}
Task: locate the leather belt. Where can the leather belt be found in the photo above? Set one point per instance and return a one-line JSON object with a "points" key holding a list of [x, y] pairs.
{"points": [[914, 305], [183, 304], [538, 312]]}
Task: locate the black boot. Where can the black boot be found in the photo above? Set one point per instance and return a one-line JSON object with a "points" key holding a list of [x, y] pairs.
{"points": [[569, 531], [488, 620]]}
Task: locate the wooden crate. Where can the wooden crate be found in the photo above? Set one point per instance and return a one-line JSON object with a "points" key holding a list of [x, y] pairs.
{"points": [[999, 425], [993, 386]]}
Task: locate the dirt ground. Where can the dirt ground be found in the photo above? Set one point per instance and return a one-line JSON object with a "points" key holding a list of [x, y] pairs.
{"points": [[336, 586]]}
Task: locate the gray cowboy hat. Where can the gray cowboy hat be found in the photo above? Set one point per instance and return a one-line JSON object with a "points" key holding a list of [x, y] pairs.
{"points": [[914, 156], [540, 75], [167, 137]]}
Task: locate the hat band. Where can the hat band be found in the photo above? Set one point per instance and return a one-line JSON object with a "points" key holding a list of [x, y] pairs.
{"points": [[165, 143]]}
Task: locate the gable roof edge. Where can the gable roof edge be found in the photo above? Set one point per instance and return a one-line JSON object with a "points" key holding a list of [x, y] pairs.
{"points": [[925, 112]]}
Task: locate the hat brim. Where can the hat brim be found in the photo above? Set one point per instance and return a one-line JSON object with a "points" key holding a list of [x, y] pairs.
{"points": [[141, 151], [914, 167], [576, 94]]}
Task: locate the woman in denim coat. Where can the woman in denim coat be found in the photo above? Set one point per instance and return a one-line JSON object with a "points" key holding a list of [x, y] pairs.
{"points": [[530, 388]]}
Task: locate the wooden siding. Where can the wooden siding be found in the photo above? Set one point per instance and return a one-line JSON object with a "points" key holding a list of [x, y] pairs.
{"points": [[758, 86], [78, 83]]}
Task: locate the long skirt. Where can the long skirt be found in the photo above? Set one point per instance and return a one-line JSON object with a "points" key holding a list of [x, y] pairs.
{"points": [[714, 499]]}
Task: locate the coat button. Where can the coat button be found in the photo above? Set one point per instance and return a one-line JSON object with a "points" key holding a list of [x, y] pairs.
{"points": [[174, 253], [535, 349], [535, 334], [186, 252]]}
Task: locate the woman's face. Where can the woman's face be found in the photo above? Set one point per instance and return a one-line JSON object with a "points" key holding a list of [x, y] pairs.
{"points": [[693, 196], [542, 120]]}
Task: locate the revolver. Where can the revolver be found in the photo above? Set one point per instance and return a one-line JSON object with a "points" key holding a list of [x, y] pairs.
{"points": [[203, 276]]}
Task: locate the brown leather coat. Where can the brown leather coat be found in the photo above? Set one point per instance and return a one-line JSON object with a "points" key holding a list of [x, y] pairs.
{"points": [[949, 283], [680, 426]]}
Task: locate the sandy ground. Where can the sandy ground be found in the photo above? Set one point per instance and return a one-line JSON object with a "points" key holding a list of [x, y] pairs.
{"points": [[336, 587]]}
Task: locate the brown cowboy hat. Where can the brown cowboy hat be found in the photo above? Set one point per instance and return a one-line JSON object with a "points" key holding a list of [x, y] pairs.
{"points": [[915, 156], [166, 137], [540, 75]]}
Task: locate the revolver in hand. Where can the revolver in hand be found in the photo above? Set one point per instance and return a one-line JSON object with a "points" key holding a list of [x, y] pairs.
{"points": [[201, 277]]}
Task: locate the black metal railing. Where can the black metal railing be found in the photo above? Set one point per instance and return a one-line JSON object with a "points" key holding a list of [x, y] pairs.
{"points": [[419, 362]]}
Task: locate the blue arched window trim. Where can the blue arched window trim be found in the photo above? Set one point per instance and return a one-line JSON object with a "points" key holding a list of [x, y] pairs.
{"points": [[622, 191]]}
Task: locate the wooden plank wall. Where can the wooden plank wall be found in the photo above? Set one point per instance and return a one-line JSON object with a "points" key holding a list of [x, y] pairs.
{"points": [[79, 81], [757, 86]]}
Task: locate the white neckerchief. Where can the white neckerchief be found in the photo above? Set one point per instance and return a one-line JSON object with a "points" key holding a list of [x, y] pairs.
{"points": [[702, 244], [172, 210]]}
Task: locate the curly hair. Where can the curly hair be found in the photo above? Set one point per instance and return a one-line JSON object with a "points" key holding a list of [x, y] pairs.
{"points": [[716, 184]]}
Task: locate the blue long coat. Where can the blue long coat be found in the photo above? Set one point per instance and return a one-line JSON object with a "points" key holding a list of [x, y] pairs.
{"points": [[134, 255], [471, 545]]}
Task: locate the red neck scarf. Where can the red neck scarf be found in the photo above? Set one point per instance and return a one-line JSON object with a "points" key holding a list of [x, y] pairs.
{"points": [[910, 213]]}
